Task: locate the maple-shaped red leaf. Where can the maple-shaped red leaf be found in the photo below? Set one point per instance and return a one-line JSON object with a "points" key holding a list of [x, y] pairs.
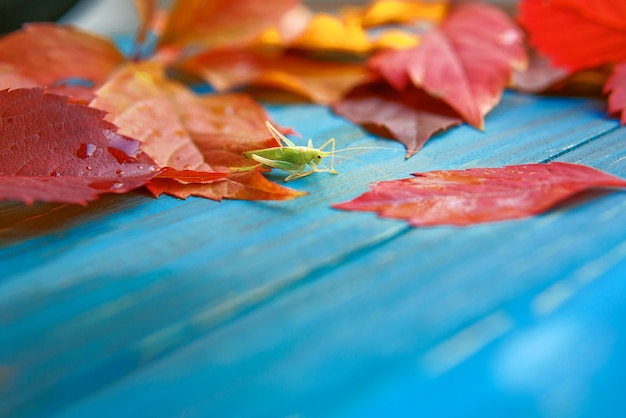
{"points": [[189, 133], [48, 54], [466, 62], [464, 197], [577, 34], [616, 87], [55, 151], [321, 81], [221, 22], [410, 116]]}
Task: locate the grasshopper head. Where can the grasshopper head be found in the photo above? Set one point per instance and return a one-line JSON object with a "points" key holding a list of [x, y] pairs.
{"points": [[320, 155]]}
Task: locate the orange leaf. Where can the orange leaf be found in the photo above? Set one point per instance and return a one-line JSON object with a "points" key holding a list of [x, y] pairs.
{"points": [[146, 11], [223, 123], [250, 185], [467, 62], [11, 78], [577, 34], [291, 25], [140, 101], [321, 81], [48, 54], [195, 138], [475, 195], [221, 22]]}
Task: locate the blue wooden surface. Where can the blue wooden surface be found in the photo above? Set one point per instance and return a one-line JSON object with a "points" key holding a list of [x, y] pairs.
{"points": [[135, 306]]}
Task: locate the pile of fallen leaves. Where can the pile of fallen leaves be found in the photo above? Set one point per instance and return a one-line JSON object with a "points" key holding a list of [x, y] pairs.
{"points": [[78, 118]]}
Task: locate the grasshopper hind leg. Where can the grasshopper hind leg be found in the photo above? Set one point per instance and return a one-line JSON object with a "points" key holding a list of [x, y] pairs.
{"points": [[294, 171]]}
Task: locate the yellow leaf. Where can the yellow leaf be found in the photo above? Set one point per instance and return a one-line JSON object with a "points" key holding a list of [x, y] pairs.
{"points": [[398, 11], [396, 39], [328, 32]]}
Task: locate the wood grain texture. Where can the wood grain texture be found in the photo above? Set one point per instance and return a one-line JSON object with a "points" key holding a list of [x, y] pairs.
{"points": [[135, 306]]}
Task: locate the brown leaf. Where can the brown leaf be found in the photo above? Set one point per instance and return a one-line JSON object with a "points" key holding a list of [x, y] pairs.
{"points": [[539, 76], [410, 116]]}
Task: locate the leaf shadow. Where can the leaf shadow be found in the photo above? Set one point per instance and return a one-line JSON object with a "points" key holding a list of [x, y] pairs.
{"points": [[20, 222], [584, 197]]}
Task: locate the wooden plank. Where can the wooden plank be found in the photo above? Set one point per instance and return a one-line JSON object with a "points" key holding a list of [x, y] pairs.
{"points": [[405, 343], [109, 289]]}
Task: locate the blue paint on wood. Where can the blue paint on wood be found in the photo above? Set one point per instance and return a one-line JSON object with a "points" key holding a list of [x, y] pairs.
{"points": [[135, 306]]}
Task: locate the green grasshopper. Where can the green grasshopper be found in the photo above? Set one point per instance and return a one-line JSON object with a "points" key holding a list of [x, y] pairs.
{"points": [[293, 158]]}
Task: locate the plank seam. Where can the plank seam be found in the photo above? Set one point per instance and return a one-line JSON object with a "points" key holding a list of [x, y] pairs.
{"points": [[580, 144]]}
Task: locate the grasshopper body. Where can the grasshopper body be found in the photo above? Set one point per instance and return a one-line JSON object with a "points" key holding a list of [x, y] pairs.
{"points": [[292, 158]]}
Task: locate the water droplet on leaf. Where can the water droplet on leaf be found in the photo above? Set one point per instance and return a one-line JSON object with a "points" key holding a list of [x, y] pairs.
{"points": [[85, 150], [106, 184]]}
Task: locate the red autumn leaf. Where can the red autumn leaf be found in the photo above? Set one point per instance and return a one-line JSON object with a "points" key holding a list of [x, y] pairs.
{"points": [[189, 133], [319, 80], [221, 22], [48, 54], [466, 62], [55, 151], [410, 116], [464, 197], [191, 176], [616, 87], [577, 34]]}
